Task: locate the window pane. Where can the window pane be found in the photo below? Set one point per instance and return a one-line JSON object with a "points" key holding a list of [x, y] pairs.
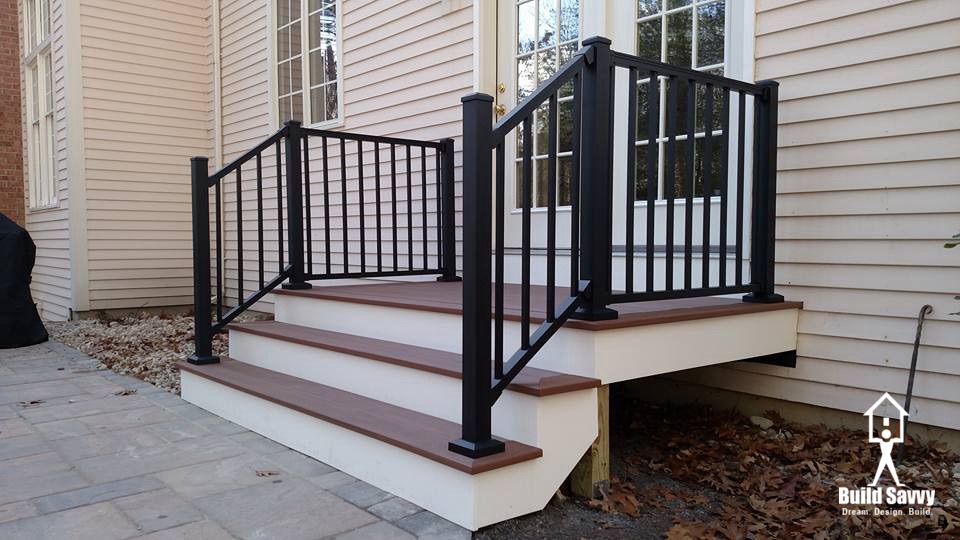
{"points": [[540, 173], [569, 19], [35, 92], [679, 38], [541, 127], [565, 126], [546, 64], [677, 3], [330, 61], [710, 34], [296, 75], [318, 106], [284, 44], [332, 101], [565, 177], [44, 19], [640, 180], [525, 77], [648, 7], [48, 82], [317, 71], [285, 10], [29, 14], [648, 39], [526, 27], [297, 107], [547, 23]]}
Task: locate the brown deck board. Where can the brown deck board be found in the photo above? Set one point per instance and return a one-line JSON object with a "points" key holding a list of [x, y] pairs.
{"points": [[532, 381], [446, 298], [424, 435]]}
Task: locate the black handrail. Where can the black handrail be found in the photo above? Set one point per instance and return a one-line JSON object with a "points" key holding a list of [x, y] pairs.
{"points": [[296, 227], [591, 72]]}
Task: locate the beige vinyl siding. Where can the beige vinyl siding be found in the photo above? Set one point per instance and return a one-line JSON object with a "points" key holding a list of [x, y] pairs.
{"points": [[869, 188], [405, 65], [49, 228], [147, 107]]}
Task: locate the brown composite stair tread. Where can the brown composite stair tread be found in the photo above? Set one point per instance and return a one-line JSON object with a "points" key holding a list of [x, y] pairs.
{"points": [[447, 297], [533, 381], [424, 435]]}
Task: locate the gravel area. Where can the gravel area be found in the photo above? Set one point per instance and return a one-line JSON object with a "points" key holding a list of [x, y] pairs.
{"points": [[145, 346]]}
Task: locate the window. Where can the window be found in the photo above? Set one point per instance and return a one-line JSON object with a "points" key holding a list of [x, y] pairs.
{"points": [[308, 62], [691, 34], [548, 34], [40, 129]]}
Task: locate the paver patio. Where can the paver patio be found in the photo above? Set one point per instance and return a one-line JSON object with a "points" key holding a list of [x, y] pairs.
{"points": [[88, 454]]}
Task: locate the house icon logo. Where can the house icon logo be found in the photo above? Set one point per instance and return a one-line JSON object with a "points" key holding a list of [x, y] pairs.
{"points": [[885, 437]]}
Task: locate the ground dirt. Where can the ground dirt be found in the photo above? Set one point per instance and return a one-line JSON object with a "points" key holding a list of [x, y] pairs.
{"points": [[686, 471]]}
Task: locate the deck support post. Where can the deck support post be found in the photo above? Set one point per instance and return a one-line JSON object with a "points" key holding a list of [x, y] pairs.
{"points": [[295, 207], [763, 233], [596, 199], [448, 226], [591, 477], [202, 332], [477, 440]]}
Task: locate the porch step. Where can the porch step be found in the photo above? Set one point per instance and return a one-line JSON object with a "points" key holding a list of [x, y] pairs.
{"points": [[531, 381], [424, 435]]}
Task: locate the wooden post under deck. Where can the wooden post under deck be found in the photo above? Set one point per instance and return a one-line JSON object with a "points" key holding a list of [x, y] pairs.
{"points": [[591, 477]]}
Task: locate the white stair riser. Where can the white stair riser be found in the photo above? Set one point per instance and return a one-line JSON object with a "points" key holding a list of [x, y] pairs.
{"points": [[515, 415], [568, 351], [610, 355], [568, 427]]}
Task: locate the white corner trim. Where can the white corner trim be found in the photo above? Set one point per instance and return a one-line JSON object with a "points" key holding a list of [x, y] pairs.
{"points": [[217, 85], [76, 166]]}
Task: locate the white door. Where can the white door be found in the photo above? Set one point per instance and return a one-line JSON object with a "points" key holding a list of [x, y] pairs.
{"points": [[534, 37]]}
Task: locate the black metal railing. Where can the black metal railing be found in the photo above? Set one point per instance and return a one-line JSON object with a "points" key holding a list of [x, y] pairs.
{"points": [[590, 76], [312, 180]]}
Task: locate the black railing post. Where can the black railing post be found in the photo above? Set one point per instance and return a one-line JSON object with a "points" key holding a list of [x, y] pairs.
{"points": [[202, 330], [764, 215], [596, 181], [448, 212], [477, 439], [294, 206]]}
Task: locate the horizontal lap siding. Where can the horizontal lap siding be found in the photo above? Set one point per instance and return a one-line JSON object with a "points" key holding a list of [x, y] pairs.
{"points": [[868, 191], [405, 65], [147, 107], [50, 229]]}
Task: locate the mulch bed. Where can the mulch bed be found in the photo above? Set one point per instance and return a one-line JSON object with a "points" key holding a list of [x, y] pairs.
{"points": [[146, 346], [689, 471]]}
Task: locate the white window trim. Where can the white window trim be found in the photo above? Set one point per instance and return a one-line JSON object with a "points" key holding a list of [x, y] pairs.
{"points": [[35, 158], [304, 44]]}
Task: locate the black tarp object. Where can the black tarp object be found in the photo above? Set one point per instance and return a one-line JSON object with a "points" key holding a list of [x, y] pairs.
{"points": [[20, 323]]}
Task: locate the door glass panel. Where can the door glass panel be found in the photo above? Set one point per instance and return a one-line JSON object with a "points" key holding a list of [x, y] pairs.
{"points": [[547, 35]]}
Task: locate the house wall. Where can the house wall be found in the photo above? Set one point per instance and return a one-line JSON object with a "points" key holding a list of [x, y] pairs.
{"points": [[50, 228], [406, 63], [12, 202], [147, 106], [869, 149]]}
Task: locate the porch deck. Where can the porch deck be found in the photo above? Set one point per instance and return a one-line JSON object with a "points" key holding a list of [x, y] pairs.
{"points": [[440, 297]]}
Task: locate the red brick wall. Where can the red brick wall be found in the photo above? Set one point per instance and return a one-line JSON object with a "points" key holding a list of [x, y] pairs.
{"points": [[12, 202]]}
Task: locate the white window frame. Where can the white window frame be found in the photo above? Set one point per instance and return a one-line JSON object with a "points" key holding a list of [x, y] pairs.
{"points": [[39, 107], [305, 71]]}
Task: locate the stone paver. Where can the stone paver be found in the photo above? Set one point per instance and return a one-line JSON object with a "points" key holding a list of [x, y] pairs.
{"points": [[79, 461]]}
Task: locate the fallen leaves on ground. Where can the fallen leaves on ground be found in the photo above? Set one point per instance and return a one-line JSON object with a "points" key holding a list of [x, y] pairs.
{"points": [[722, 476], [144, 346]]}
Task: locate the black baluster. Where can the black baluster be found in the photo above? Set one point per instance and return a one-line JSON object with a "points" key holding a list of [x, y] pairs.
{"points": [[363, 210], [670, 182], [239, 238], [653, 159], [393, 201], [707, 162], [326, 204], [259, 221], [575, 189], [551, 208], [409, 213], [689, 185], [500, 209], [724, 184], [423, 204], [376, 169], [631, 184], [308, 204], [526, 202], [741, 149], [343, 204]]}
